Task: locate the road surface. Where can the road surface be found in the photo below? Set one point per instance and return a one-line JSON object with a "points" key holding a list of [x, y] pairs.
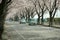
{"points": [[16, 31]]}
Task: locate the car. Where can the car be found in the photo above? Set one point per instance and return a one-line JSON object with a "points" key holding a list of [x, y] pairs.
{"points": [[32, 21], [22, 21]]}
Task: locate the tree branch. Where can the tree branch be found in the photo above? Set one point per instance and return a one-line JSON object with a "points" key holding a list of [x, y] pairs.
{"points": [[55, 12], [46, 6], [9, 1]]}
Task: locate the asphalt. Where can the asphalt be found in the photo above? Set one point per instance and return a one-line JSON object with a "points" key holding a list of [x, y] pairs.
{"points": [[16, 31]]}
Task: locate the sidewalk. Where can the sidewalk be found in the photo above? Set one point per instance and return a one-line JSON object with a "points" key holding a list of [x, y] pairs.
{"points": [[55, 26]]}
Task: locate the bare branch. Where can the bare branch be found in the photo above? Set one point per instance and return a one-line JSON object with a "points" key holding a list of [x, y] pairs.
{"points": [[54, 12], [9, 1], [39, 5], [45, 5]]}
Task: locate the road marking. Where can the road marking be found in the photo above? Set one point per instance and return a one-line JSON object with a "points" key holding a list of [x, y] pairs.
{"points": [[19, 33]]}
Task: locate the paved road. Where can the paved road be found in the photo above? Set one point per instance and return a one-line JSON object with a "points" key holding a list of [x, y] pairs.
{"points": [[16, 31]]}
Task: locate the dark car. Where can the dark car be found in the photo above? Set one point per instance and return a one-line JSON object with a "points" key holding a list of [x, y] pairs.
{"points": [[32, 21]]}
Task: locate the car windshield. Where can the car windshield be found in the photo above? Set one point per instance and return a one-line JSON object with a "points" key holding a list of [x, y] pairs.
{"points": [[23, 19]]}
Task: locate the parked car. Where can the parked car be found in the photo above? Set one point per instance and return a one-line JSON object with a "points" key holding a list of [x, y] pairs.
{"points": [[32, 21], [22, 21]]}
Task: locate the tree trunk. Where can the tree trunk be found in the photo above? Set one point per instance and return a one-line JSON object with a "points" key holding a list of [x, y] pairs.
{"points": [[3, 6], [50, 20], [31, 15], [28, 17], [42, 21], [38, 20], [1, 26]]}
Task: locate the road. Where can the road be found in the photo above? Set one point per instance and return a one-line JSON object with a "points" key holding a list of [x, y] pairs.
{"points": [[16, 31]]}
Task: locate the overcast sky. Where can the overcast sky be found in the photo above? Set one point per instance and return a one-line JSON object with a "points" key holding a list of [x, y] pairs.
{"points": [[46, 15], [18, 5]]}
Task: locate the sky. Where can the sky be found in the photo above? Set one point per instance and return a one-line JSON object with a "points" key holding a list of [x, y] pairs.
{"points": [[46, 15]]}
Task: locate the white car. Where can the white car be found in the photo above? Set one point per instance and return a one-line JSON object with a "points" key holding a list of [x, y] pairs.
{"points": [[22, 21]]}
